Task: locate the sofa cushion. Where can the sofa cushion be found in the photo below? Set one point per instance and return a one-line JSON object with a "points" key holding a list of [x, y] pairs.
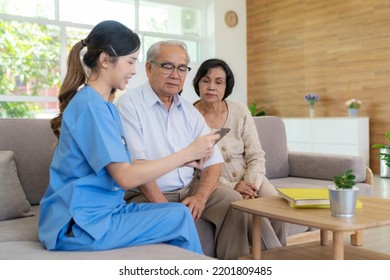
{"points": [[23, 229], [325, 166], [33, 250], [273, 139], [13, 202]]}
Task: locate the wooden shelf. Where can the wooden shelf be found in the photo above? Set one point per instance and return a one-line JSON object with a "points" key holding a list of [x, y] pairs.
{"points": [[329, 135]]}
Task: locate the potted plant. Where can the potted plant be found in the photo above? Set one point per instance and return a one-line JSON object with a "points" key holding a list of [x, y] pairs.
{"points": [[353, 106], [384, 155], [343, 195], [254, 111], [312, 98]]}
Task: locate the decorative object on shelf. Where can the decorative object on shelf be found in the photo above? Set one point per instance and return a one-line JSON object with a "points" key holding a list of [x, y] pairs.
{"points": [[384, 156], [343, 195], [353, 112], [312, 98], [231, 18], [353, 106], [254, 111]]}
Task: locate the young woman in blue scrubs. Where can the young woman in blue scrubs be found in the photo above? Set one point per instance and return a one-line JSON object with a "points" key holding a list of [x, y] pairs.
{"points": [[83, 207]]}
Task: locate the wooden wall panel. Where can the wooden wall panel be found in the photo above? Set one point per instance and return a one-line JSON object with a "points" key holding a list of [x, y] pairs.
{"points": [[337, 49]]}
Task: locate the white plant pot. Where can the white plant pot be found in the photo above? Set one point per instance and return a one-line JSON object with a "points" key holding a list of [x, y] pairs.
{"points": [[353, 112], [384, 169], [343, 201]]}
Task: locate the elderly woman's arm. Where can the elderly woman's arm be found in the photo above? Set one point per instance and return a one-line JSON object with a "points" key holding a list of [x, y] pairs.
{"points": [[254, 154]]}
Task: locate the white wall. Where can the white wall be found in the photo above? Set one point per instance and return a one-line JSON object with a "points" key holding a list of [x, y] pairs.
{"points": [[230, 44], [222, 42]]}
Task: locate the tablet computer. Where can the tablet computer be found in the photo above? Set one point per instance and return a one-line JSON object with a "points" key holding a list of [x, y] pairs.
{"points": [[222, 132]]}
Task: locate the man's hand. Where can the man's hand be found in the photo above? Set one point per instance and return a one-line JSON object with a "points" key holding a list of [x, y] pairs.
{"points": [[196, 204], [207, 184], [247, 190]]}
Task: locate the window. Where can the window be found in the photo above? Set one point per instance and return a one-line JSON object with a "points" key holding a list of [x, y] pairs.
{"points": [[93, 11], [36, 36], [31, 8], [164, 18]]}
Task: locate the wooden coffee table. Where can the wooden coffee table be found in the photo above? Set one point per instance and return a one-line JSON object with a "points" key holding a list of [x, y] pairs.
{"points": [[374, 213]]}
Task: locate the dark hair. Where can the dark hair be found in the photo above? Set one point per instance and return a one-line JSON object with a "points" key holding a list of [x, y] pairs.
{"points": [[204, 69], [110, 37]]}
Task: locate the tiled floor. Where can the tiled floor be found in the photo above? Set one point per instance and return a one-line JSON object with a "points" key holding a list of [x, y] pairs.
{"points": [[381, 187]]}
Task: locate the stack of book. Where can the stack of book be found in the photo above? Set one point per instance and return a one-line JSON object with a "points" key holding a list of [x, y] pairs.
{"points": [[308, 197]]}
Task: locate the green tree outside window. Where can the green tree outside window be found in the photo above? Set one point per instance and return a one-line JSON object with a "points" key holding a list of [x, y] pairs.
{"points": [[29, 63]]}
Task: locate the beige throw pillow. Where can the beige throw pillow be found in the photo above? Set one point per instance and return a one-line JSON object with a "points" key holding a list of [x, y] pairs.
{"points": [[13, 201]]}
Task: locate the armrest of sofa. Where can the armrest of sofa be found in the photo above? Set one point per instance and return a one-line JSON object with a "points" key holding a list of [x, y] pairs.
{"points": [[325, 166], [369, 177]]}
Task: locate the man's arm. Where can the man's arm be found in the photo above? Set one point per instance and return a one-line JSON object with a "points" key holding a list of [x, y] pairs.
{"points": [[209, 181], [152, 192]]}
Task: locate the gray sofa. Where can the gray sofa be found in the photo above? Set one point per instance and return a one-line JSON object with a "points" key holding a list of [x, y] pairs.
{"points": [[32, 144]]}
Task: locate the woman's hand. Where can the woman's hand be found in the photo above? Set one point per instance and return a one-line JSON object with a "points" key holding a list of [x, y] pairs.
{"points": [[201, 149], [247, 190], [198, 164]]}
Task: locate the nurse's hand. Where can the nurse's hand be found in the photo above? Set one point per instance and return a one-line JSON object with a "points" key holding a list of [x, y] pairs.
{"points": [[198, 164], [202, 147]]}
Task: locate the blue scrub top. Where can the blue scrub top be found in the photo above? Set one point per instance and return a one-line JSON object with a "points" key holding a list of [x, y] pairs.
{"points": [[80, 187]]}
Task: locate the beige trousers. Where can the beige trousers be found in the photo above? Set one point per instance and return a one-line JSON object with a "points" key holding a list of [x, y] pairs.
{"points": [[231, 225]]}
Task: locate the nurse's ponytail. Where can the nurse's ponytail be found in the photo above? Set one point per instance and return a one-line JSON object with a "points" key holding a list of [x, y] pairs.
{"points": [[110, 37], [74, 78]]}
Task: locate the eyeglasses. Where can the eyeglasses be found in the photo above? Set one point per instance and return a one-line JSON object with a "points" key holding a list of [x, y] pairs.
{"points": [[168, 68]]}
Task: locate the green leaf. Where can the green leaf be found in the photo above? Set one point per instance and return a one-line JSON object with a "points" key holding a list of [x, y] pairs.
{"points": [[378, 146], [254, 111], [387, 135], [345, 180]]}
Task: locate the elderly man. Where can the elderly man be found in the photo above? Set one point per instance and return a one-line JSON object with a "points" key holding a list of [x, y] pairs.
{"points": [[158, 122]]}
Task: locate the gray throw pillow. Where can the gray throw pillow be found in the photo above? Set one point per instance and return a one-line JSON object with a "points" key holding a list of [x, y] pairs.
{"points": [[13, 201]]}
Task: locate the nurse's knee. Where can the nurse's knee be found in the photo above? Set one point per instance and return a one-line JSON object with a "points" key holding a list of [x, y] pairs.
{"points": [[178, 207]]}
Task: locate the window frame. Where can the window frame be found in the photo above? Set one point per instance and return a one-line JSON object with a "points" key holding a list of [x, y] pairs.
{"points": [[63, 25]]}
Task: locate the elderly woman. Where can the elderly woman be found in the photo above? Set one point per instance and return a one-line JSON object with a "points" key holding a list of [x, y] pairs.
{"points": [[244, 166]]}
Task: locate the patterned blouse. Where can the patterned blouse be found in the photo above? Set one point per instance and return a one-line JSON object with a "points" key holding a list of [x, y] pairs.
{"points": [[241, 148]]}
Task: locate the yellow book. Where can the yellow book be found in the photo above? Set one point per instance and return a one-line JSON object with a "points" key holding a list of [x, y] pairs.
{"points": [[359, 205], [305, 196], [308, 197]]}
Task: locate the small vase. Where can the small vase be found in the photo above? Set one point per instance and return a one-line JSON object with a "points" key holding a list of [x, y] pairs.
{"points": [[353, 112], [312, 112]]}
